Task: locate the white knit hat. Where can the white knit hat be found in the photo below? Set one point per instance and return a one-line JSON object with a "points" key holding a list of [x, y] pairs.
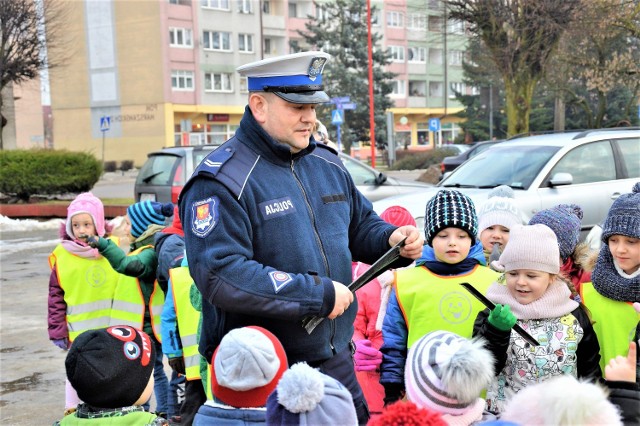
{"points": [[532, 247], [500, 209]]}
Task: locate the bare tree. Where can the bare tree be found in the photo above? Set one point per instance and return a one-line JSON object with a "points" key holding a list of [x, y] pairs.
{"points": [[520, 36], [23, 40]]}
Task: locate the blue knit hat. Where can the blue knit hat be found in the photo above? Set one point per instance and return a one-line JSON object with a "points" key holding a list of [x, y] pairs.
{"points": [[624, 216], [145, 213], [565, 220], [450, 209]]}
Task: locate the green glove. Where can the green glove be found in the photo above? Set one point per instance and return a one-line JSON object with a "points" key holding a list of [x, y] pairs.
{"points": [[502, 318]]}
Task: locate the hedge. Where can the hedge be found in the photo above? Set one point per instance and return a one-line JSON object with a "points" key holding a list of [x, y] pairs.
{"points": [[411, 160], [24, 173]]}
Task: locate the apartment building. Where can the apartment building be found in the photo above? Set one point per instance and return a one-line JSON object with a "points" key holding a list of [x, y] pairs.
{"points": [[140, 75]]}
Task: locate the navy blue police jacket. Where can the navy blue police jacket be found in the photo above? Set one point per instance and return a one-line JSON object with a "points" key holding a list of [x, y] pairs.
{"points": [[267, 231]]}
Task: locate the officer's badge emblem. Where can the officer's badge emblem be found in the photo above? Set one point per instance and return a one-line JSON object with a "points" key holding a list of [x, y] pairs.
{"points": [[279, 279], [205, 216], [315, 69]]}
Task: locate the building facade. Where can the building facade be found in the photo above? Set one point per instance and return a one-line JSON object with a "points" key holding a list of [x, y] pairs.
{"points": [[140, 75]]}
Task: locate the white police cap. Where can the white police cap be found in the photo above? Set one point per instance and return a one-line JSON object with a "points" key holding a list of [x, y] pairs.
{"points": [[296, 78]]}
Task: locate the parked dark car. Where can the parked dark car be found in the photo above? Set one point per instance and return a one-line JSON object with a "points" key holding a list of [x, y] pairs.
{"points": [[449, 164], [165, 172]]}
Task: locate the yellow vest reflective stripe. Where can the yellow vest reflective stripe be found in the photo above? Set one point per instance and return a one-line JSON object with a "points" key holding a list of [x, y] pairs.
{"points": [[89, 286], [432, 302], [188, 318], [614, 323], [128, 302]]}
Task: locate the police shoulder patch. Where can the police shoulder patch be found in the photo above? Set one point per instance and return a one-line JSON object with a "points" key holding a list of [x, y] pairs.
{"points": [[204, 216], [279, 279]]}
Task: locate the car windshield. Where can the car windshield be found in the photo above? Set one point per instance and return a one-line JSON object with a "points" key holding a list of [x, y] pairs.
{"points": [[515, 166]]}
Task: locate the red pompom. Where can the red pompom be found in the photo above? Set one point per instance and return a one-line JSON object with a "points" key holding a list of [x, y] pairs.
{"points": [[405, 413]]}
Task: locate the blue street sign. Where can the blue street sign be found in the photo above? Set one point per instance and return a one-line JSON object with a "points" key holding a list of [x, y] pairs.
{"points": [[337, 117], [105, 123], [341, 100], [434, 124], [349, 105]]}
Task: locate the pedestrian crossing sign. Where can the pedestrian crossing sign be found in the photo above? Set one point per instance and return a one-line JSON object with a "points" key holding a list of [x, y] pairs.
{"points": [[336, 117]]}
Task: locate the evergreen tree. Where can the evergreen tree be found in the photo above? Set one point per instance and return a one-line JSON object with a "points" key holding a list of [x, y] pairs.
{"points": [[341, 31]]}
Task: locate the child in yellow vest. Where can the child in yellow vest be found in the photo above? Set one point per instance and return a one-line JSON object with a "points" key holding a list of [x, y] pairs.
{"points": [[615, 279], [112, 370], [82, 282], [539, 301], [138, 298], [429, 297]]}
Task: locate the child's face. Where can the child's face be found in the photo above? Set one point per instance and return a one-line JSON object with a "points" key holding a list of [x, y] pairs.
{"points": [[82, 226], [494, 234], [126, 225], [626, 252], [451, 245], [528, 285]]}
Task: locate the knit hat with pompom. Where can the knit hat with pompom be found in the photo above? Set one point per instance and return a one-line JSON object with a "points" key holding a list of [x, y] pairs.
{"points": [[305, 396], [624, 216], [565, 220], [145, 213], [406, 413], [90, 204]]}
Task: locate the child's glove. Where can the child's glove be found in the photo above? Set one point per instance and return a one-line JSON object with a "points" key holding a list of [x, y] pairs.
{"points": [[93, 241], [367, 358], [61, 343], [502, 318], [177, 364]]}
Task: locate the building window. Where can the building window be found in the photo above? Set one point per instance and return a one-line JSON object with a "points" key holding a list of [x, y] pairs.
{"points": [[293, 10], [182, 80], [266, 7], [397, 53], [395, 19], [435, 89], [455, 57], [215, 40], [180, 37], [399, 88], [375, 18], [244, 6], [417, 54], [417, 21], [456, 27], [321, 13], [456, 88], [417, 88], [267, 46], [218, 82], [216, 134], [435, 56], [245, 43], [435, 23], [215, 4], [243, 85], [435, 4]]}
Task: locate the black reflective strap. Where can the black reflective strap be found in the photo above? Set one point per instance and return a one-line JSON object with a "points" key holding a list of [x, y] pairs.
{"points": [[294, 89]]}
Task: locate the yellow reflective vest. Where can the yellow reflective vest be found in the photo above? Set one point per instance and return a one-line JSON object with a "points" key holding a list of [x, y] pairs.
{"points": [[432, 302], [128, 302], [89, 286], [188, 319], [613, 321]]}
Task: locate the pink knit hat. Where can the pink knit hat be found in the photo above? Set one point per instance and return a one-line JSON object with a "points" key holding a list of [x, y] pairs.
{"points": [[398, 216], [90, 204]]}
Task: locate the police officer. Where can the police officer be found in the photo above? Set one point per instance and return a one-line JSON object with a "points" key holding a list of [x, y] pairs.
{"points": [[272, 220]]}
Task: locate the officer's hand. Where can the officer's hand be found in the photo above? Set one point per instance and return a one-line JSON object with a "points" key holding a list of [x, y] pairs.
{"points": [[177, 364], [413, 244], [344, 297]]}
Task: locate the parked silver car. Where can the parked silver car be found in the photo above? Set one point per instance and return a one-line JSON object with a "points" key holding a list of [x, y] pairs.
{"points": [[590, 168], [165, 172]]}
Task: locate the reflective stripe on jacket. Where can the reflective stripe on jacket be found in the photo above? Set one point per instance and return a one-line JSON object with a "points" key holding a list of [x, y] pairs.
{"points": [[89, 286], [128, 302], [188, 320]]}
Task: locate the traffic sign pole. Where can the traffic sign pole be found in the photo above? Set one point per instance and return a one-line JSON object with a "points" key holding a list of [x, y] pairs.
{"points": [[339, 138]]}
